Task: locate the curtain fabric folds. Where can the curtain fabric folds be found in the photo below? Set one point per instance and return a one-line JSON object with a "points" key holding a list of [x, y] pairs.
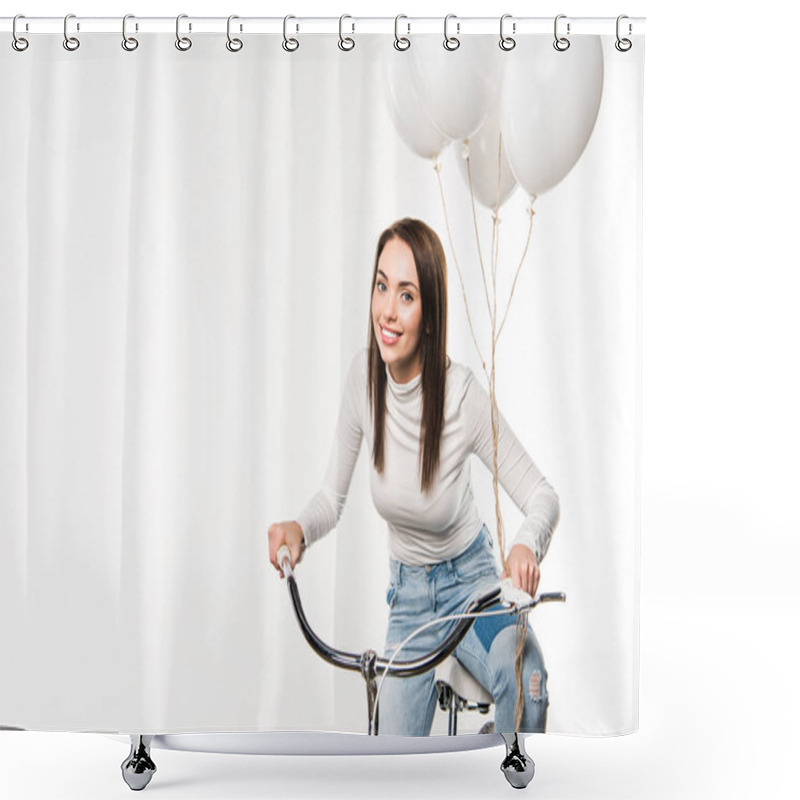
{"points": [[188, 241]]}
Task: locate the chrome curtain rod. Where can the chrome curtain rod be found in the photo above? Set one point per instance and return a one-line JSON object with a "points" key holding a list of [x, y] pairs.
{"points": [[324, 25]]}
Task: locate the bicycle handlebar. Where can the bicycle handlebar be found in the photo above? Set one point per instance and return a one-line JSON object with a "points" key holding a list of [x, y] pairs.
{"points": [[353, 661], [407, 669]]}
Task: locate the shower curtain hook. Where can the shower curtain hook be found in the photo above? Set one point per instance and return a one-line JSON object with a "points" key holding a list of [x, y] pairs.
{"points": [[129, 43], [345, 42], [289, 45], [183, 43], [507, 42], [234, 45], [401, 42], [623, 45], [70, 42], [18, 42], [561, 43], [451, 42]]}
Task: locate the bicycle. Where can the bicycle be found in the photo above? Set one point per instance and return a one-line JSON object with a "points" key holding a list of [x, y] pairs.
{"points": [[517, 767]]}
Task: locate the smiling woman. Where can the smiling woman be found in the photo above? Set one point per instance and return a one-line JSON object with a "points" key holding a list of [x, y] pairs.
{"points": [[397, 310], [425, 416], [411, 251]]}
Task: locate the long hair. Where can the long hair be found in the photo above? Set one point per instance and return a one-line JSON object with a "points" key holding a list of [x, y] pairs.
{"points": [[431, 267]]}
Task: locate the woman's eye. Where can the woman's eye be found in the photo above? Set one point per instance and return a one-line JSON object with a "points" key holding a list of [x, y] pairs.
{"points": [[381, 286], [408, 297]]}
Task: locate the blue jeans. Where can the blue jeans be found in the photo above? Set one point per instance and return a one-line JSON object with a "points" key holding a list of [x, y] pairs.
{"points": [[488, 651]]}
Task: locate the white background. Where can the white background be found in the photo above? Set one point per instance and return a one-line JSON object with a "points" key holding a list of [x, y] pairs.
{"points": [[719, 607]]}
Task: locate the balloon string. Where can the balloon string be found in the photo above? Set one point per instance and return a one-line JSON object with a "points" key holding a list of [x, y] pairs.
{"points": [[522, 620], [490, 375], [531, 212], [496, 208], [501, 531], [522, 633], [477, 235], [522, 626], [501, 534], [437, 168]]}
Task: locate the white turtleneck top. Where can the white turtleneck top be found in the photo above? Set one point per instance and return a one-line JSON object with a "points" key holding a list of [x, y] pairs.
{"points": [[441, 523]]}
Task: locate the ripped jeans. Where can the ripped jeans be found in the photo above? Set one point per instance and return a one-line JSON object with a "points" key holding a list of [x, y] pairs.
{"points": [[488, 651]]}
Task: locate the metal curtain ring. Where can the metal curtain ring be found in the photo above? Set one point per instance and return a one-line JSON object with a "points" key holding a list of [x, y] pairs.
{"points": [[18, 42], [128, 42], [507, 42], [401, 42], [234, 45], [289, 45], [561, 43], [451, 42], [345, 42], [182, 42], [70, 42], [623, 45]]}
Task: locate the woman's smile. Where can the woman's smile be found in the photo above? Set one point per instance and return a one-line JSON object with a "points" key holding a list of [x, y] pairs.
{"points": [[389, 336]]}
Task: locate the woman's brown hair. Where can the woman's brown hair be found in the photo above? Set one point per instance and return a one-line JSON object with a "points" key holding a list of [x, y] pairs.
{"points": [[431, 267]]}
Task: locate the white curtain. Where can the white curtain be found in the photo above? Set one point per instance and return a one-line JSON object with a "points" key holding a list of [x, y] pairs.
{"points": [[187, 246]]}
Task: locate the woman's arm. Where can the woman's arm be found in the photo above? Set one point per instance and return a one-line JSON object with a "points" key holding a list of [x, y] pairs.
{"points": [[523, 481], [325, 507]]}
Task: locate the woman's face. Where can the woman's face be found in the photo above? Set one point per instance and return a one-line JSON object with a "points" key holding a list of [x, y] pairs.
{"points": [[397, 310]]}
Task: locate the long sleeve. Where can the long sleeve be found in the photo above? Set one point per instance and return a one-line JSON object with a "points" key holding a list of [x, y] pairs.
{"points": [[517, 473], [324, 509]]}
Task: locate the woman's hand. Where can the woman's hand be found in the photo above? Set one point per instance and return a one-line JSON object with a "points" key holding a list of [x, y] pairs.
{"points": [[523, 567], [285, 533]]}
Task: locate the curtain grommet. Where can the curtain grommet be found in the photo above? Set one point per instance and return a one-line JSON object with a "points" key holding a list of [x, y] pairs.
{"points": [[346, 43], [183, 43], [289, 44], [19, 43], [233, 44], [70, 43], [129, 43], [401, 43], [451, 42], [507, 42], [623, 44], [561, 43]]}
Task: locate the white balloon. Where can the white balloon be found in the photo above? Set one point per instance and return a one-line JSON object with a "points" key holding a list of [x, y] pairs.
{"points": [[549, 106], [410, 118], [483, 162], [457, 86]]}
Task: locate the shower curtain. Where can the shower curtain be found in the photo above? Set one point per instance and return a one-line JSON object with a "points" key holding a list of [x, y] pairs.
{"points": [[188, 240]]}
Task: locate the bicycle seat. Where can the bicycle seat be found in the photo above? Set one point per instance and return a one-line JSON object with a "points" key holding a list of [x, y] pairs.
{"points": [[461, 682]]}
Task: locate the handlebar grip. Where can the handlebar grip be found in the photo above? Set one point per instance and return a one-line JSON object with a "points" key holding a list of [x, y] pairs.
{"points": [[551, 597], [285, 560]]}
